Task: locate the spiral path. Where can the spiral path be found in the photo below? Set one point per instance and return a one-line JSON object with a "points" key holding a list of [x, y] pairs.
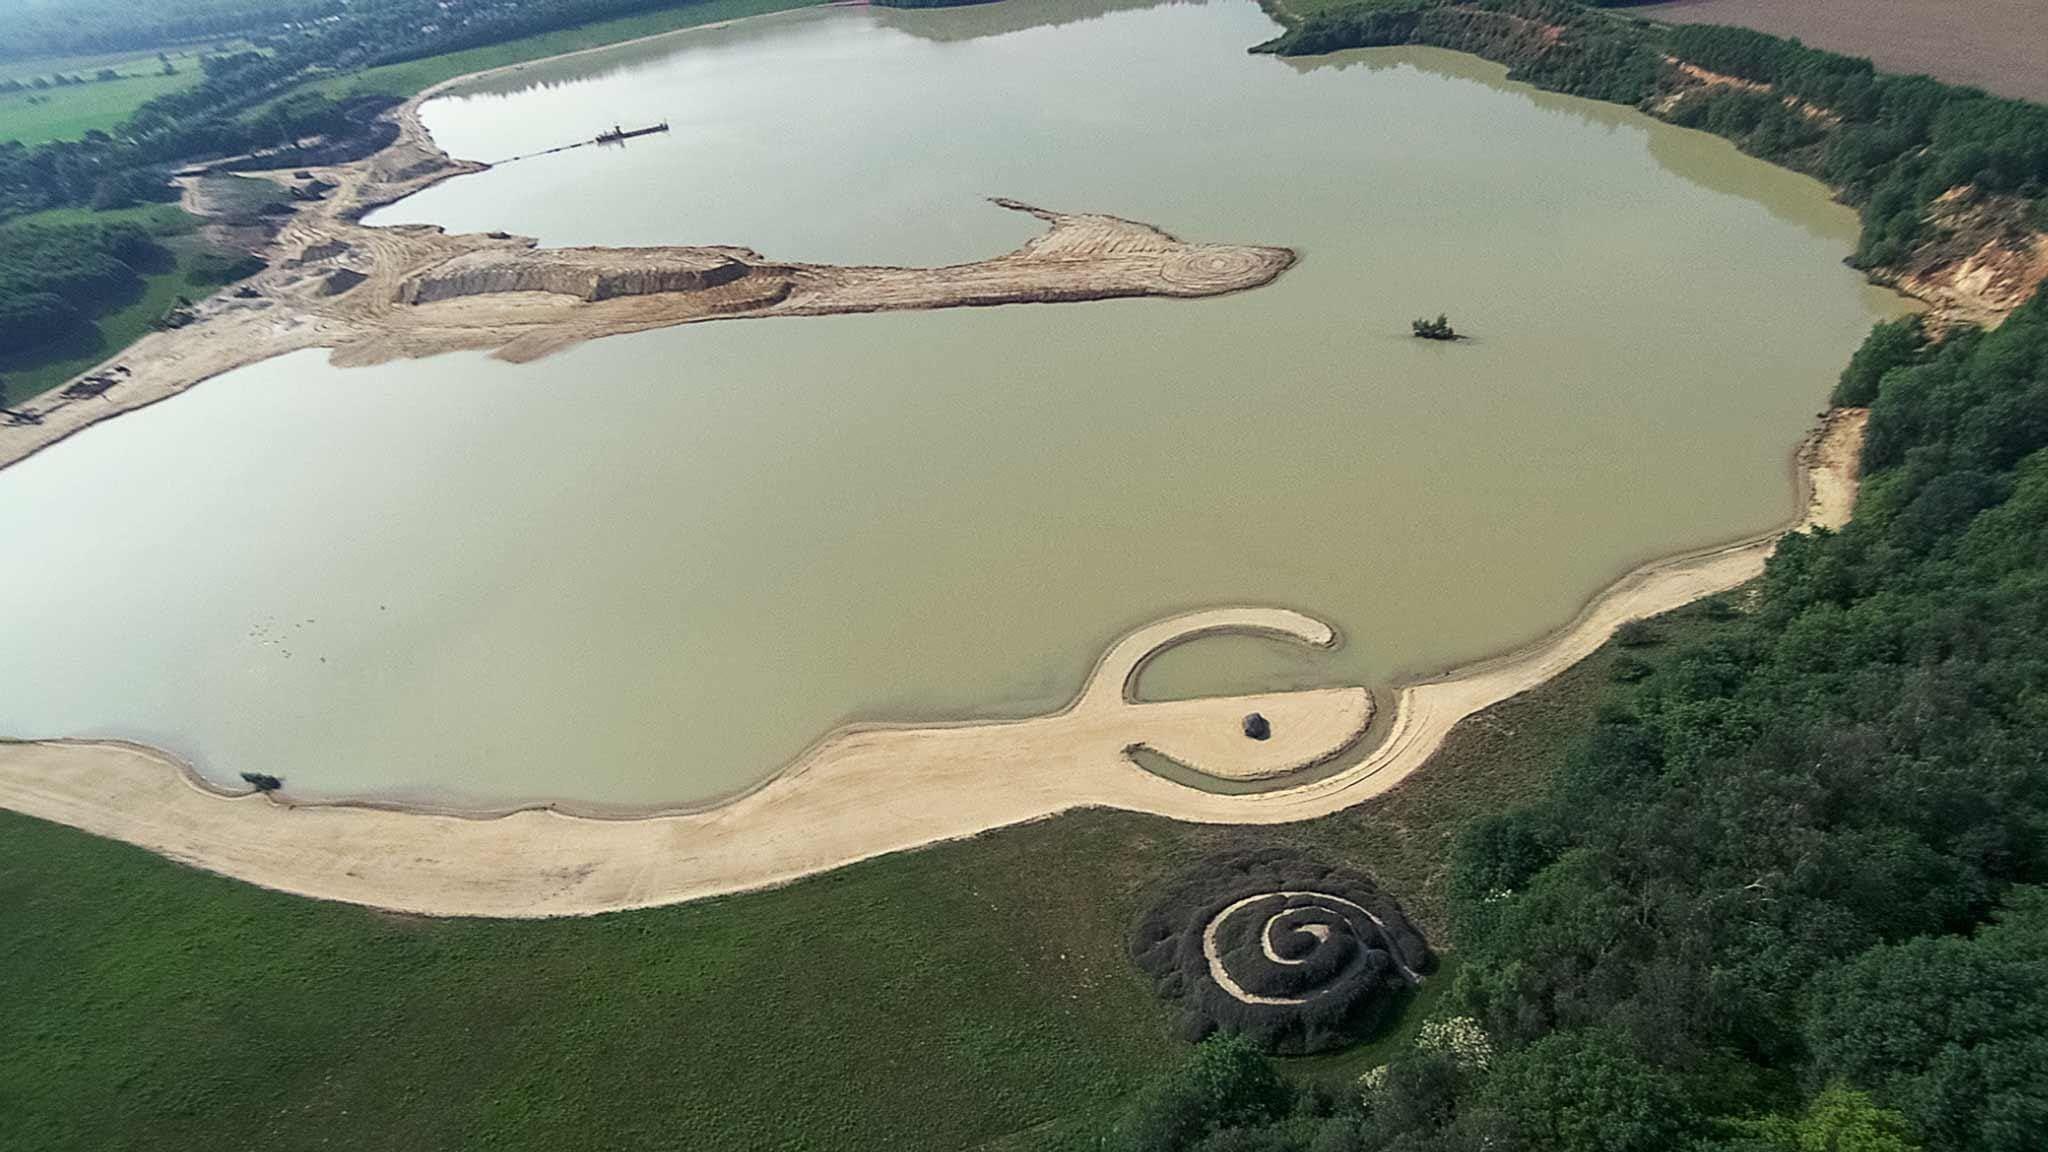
{"points": [[1322, 933], [1294, 953], [1206, 269]]}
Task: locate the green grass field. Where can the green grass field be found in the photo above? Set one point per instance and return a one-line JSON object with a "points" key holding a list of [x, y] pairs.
{"points": [[414, 76], [969, 994], [69, 112], [31, 66]]}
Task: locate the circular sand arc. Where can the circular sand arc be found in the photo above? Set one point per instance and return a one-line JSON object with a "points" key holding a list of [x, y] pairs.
{"points": [[860, 793], [1209, 269]]}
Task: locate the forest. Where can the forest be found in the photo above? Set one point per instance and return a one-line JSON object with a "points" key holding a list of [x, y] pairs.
{"points": [[1892, 145], [54, 279], [38, 28], [1792, 891]]}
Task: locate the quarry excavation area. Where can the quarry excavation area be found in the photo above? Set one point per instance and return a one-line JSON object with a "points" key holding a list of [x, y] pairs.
{"points": [[375, 294], [868, 790]]}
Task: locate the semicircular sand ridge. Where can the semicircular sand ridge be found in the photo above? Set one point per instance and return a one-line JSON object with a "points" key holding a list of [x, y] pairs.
{"points": [[866, 790]]}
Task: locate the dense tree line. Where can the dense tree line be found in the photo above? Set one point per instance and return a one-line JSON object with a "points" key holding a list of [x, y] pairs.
{"points": [[54, 280], [63, 80], [237, 108], [87, 27], [1793, 882], [1892, 144]]}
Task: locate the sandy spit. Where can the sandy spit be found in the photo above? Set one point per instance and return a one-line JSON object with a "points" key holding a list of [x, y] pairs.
{"points": [[379, 294], [870, 790]]}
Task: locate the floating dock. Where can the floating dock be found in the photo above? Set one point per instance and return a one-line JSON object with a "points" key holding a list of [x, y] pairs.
{"points": [[620, 135]]}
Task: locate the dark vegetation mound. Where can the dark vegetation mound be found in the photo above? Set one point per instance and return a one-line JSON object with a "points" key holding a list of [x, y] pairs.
{"points": [[1311, 955]]}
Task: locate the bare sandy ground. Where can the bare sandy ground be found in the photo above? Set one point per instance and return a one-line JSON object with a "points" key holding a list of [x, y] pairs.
{"points": [[869, 790], [378, 294]]}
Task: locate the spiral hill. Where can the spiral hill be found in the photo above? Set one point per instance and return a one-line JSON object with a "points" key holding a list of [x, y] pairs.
{"points": [[1207, 269], [1297, 954]]}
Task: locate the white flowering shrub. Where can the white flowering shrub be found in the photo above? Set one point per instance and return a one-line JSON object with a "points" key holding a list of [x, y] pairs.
{"points": [[1461, 1038]]}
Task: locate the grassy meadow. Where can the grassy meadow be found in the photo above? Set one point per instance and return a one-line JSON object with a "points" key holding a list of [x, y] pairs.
{"points": [[70, 111]]}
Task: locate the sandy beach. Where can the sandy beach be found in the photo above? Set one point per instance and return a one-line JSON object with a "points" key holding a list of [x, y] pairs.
{"points": [[868, 790]]}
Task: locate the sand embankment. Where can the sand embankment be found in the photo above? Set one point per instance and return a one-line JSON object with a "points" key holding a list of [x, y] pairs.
{"points": [[378, 294], [865, 791]]}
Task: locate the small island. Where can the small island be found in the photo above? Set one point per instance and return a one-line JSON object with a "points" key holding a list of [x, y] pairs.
{"points": [[1437, 329]]}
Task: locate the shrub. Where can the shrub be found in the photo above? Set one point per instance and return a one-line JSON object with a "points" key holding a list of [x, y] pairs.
{"points": [[1224, 1084], [1637, 634], [1629, 670], [1890, 345], [213, 268]]}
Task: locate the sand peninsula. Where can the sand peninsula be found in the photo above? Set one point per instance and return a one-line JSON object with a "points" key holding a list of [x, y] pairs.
{"points": [[386, 293]]}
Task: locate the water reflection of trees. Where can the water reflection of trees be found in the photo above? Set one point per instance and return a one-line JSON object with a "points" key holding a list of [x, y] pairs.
{"points": [[1696, 157], [948, 25]]}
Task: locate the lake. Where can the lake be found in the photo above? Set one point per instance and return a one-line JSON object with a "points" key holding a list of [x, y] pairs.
{"points": [[654, 568]]}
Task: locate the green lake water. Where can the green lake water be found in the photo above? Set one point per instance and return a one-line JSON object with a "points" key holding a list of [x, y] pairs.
{"points": [[654, 568]]}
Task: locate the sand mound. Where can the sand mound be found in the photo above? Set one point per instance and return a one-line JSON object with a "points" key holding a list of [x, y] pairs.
{"points": [[1208, 269]]}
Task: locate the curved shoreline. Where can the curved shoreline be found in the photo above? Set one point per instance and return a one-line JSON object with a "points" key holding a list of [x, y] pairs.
{"points": [[863, 791], [903, 785]]}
